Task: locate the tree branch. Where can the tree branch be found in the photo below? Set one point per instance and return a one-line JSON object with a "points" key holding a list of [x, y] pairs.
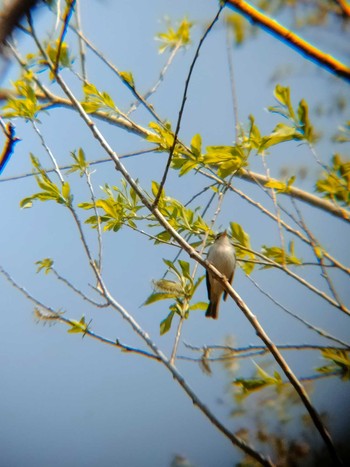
{"points": [[302, 46], [221, 278]]}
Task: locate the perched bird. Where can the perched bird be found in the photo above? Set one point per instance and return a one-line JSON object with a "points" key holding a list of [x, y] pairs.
{"points": [[222, 256]]}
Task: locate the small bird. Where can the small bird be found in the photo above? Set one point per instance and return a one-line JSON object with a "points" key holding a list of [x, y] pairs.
{"points": [[222, 256]]}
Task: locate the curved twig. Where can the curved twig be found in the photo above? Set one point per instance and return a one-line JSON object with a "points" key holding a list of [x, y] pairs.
{"points": [[183, 102]]}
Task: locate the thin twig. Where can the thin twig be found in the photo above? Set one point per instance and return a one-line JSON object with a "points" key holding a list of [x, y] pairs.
{"points": [[278, 213], [318, 257], [196, 195], [48, 150], [295, 276], [50, 314], [112, 67], [237, 351], [286, 226], [66, 167], [318, 330], [77, 291], [99, 230], [232, 81], [81, 42], [92, 263], [183, 102], [177, 339], [159, 81]]}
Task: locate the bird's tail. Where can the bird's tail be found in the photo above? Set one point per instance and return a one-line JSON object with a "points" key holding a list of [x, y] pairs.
{"points": [[213, 310]]}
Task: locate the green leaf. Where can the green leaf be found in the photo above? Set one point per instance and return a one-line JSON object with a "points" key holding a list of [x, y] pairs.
{"points": [[279, 186], [276, 379], [199, 306], [78, 326], [172, 267], [196, 145], [248, 386], [156, 297], [175, 38], [242, 239], [340, 362], [45, 264], [238, 25], [280, 256], [304, 122], [128, 77], [66, 192], [335, 183], [227, 159], [185, 268], [282, 94], [26, 203], [254, 134], [25, 104], [280, 134], [81, 164], [165, 325], [98, 100]]}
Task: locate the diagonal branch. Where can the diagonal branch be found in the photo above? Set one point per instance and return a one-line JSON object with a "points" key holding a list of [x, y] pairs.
{"points": [[344, 6], [302, 46]]}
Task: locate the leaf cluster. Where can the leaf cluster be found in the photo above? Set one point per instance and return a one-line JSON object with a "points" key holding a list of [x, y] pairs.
{"points": [[335, 183], [50, 191], [263, 379], [80, 163], [163, 138], [280, 256], [181, 291], [242, 246], [45, 265], [98, 100], [174, 38], [340, 363], [25, 104], [119, 207], [299, 127], [179, 217]]}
